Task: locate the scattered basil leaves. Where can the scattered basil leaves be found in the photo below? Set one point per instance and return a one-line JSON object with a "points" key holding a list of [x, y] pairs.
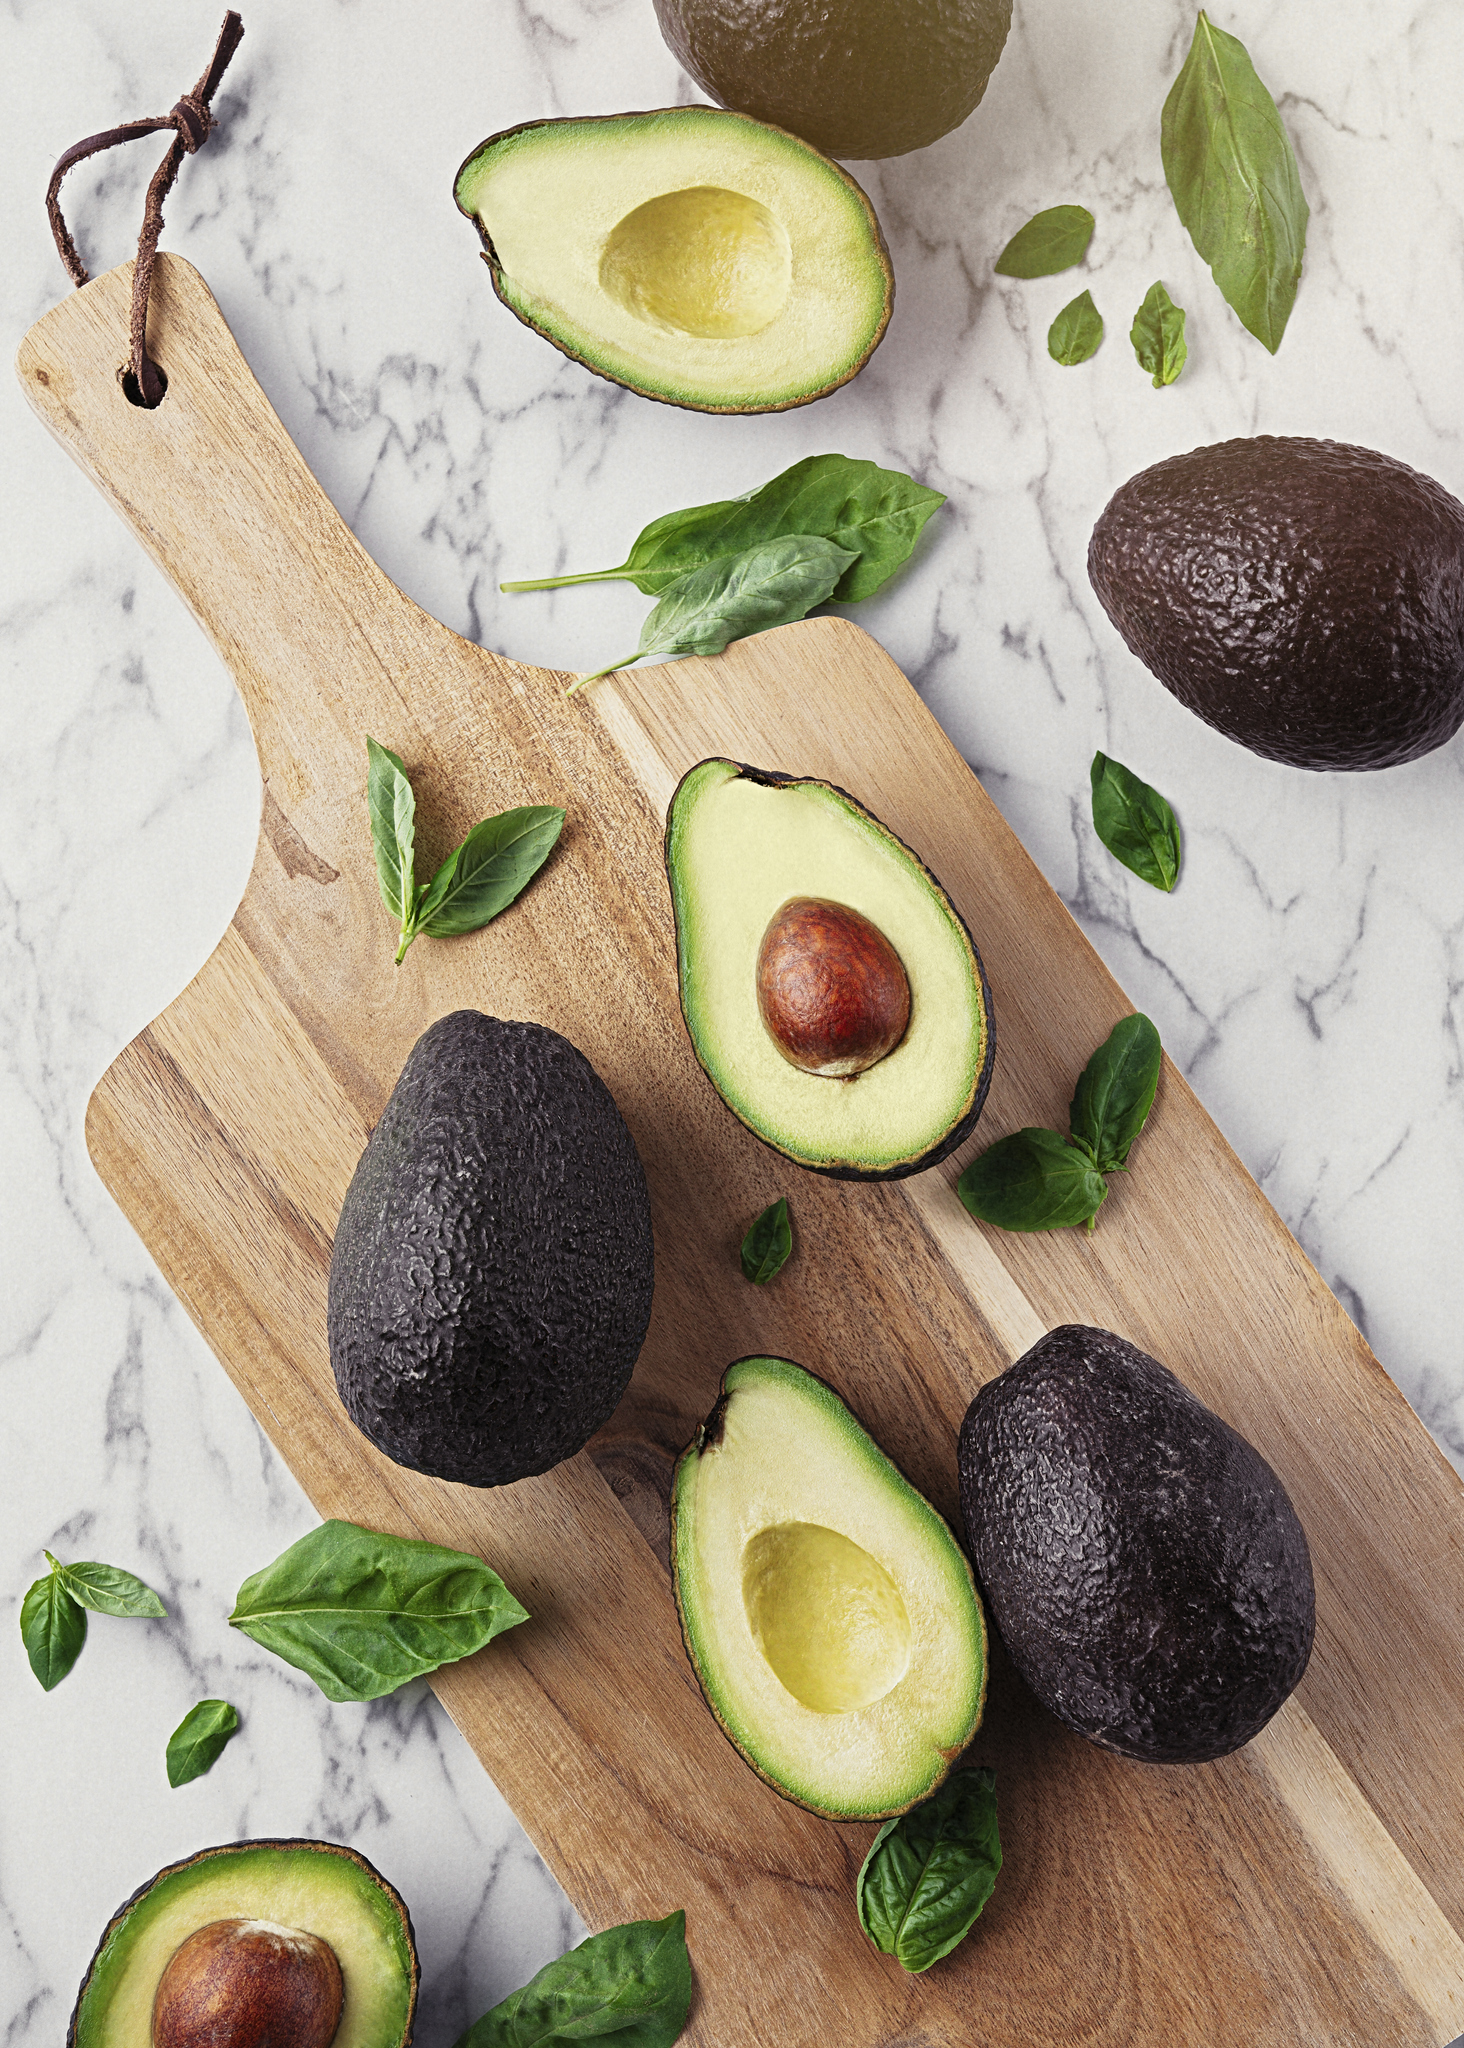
{"points": [[768, 1243], [1135, 823], [930, 1871], [632, 1983], [52, 1627], [1158, 337], [1115, 1093], [1077, 332], [361, 1613], [393, 811], [1052, 240], [199, 1740], [1233, 176], [107, 1589]]}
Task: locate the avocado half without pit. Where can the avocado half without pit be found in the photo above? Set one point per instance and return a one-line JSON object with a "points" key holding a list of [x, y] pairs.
{"points": [[830, 1615], [694, 255], [830, 989], [251, 1945]]}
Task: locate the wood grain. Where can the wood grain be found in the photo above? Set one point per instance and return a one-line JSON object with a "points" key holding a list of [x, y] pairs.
{"points": [[1308, 1890]]}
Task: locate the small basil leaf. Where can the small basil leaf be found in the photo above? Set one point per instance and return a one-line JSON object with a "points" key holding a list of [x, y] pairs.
{"points": [[1135, 823], [107, 1589], [361, 1613], [393, 811], [199, 1740], [1077, 332], [1033, 1180], [1115, 1092], [53, 1629], [766, 1247], [1158, 337], [494, 864], [930, 1871], [631, 1983], [1232, 173], [1052, 240]]}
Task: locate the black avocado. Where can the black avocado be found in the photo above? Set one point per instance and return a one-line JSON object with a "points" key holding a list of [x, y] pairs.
{"points": [[1143, 1562], [491, 1280]]}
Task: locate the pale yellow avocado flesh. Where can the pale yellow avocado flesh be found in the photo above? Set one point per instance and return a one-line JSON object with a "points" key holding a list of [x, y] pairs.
{"points": [[831, 1617], [694, 254]]}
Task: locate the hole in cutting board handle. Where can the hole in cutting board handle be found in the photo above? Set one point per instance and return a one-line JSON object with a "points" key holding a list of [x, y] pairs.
{"points": [[132, 390]]}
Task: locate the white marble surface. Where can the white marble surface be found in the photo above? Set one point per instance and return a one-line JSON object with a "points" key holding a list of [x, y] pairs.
{"points": [[1306, 973]]}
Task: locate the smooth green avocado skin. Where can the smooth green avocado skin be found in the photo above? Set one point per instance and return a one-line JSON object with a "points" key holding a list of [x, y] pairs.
{"points": [[491, 1280], [1144, 1564], [857, 78], [1304, 597]]}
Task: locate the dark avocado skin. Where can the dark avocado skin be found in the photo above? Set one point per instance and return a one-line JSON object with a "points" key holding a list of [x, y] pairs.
{"points": [[1303, 597], [491, 1280], [856, 78], [1144, 1564]]}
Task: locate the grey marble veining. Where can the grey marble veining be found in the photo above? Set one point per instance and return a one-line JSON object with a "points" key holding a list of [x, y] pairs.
{"points": [[1306, 973]]}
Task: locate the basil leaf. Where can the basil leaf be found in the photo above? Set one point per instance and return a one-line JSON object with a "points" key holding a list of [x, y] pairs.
{"points": [[53, 1629], [199, 1740], [930, 1871], [1077, 332], [770, 585], [1135, 823], [1232, 172], [107, 1589], [494, 864], [393, 811], [767, 1245], [1115, 1092], [1052, 240], [361, 1613], [1033, 1180], [632, 1983], [1158, 337]]}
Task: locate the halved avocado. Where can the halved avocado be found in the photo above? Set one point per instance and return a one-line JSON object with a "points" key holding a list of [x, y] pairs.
{"points": [[695, 255], [319, 1887], [830, 1616], [740, 844]]}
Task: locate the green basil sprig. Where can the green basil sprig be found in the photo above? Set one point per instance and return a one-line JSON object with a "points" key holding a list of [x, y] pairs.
{"points": [[361, 1613], [877, 514], [1135, 823], [494, 864], [107, 1589], [931, 1870], [52, 1616], [1036, 1180], [199, 1740], [1233, 176], [631, 1982], [1158, 337], [768, 1243], [1077, 332], [1052, 240]]}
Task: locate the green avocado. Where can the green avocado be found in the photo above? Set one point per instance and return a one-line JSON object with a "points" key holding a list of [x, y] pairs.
{"points": [[1145, 1567], [315, 1888], [829, 1614], [860, 78], [1305, 598], [695, 256], [491, 1279], [745, 846]]}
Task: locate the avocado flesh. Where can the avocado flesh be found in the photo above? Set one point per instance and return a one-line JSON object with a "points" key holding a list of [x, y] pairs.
{"points": [[1144, 1564], [491, 1279], [694, 255], [829, 1614], [739, 844], [327, 1891], [1304, 597], [858, 78]]}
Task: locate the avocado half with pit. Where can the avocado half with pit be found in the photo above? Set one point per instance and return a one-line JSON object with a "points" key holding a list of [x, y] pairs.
{"points": [[764, 868], [694, 255], [830, 1615], [292, 1905]]}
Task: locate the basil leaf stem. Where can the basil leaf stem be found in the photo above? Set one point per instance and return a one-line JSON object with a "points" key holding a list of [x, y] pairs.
{"points": [[1135, 823], [52, 1627], [632, 1983], [1052, 240], [1077, 332], [768, 1243], [199, 1740], [1115, 1092], [930, 1871], [1158, 337]]}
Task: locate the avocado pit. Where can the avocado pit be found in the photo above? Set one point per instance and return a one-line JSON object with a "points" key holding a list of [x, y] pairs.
{"points": [[702, 261], [248, 1984], [831, 989]]}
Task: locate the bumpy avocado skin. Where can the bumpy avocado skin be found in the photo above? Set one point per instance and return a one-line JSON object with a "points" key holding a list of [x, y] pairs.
{"points": [[1303, 597], [1144, 1564], [491, 1280], [856, 78]]}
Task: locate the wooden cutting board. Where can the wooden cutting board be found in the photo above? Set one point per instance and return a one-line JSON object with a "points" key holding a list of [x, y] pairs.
{"points": [[1309, 1890]]}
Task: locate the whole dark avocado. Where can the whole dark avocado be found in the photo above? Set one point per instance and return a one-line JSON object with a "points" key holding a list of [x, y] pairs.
{"points": [[1143, 1562], [491, 1280], [1303, 597]]}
